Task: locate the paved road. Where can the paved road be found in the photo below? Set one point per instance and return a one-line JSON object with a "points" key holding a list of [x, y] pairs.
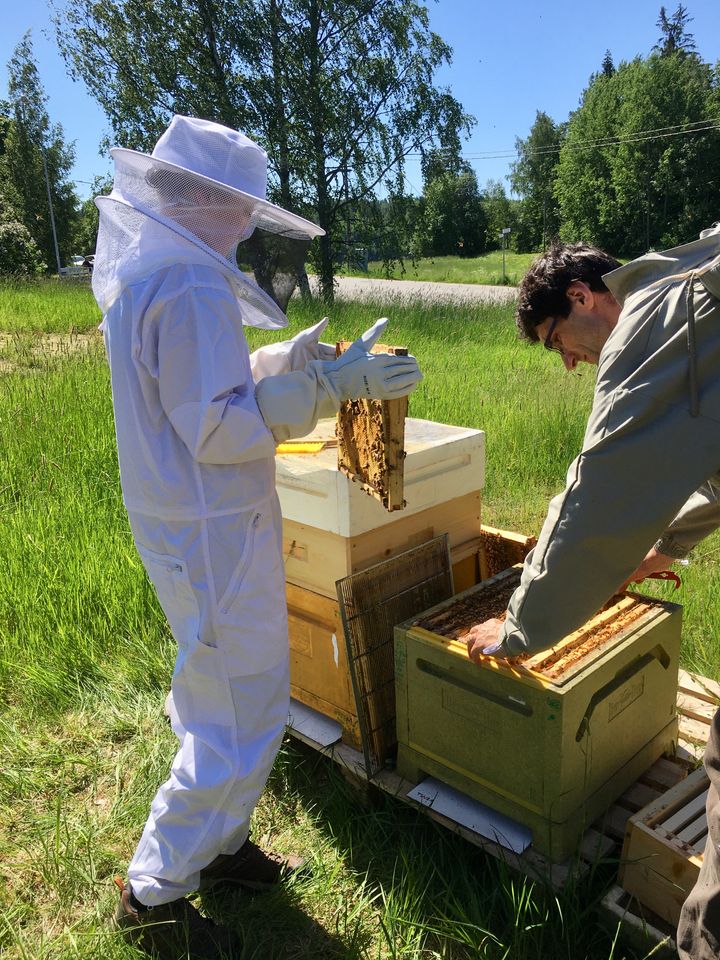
{"points": [[361, 288]]}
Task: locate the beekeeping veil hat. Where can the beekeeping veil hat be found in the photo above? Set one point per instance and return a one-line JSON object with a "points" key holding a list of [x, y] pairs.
{"points": [[193, 200]]}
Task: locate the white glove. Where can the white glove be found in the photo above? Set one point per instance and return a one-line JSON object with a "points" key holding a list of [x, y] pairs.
{"points": [[380, 376], [290, 355]]}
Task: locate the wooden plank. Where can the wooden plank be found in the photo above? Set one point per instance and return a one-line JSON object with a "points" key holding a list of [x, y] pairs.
{"points": [[673, 799], [639, 795], [664, 774], [699, 686], [695, 831], [696, 731], [689, 812], [688, 752], [696, 708], [596, 845], [614, 821]]}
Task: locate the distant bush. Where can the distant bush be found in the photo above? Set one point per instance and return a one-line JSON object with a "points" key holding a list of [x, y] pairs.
{"points": [[19, 254]]}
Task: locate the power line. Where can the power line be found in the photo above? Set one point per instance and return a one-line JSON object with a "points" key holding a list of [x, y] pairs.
{"points": [[639, 137]]}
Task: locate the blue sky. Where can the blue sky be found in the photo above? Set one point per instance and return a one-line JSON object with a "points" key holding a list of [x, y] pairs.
{"points": [[510, 59]]}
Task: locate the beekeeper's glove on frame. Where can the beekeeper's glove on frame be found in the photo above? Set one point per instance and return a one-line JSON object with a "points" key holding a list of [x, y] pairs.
{"points": [[291, 355], [377, 376], [292, 403]]}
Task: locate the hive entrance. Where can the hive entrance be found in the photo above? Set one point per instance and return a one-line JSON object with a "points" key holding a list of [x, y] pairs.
{"points": [[455, 620]]}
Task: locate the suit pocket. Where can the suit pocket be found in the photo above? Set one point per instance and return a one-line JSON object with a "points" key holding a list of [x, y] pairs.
{"points": [[169, 576], [226, 602]]}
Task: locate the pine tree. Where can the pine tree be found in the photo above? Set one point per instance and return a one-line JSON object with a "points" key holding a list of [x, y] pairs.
{"points": [[34, 159], [675, 37]]}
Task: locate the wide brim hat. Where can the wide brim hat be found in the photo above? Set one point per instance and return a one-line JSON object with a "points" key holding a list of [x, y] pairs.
{"points": [[223, 159]]}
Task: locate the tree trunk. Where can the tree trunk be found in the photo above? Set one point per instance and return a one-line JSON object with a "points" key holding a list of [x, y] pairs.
{"points": [[326, 276]]}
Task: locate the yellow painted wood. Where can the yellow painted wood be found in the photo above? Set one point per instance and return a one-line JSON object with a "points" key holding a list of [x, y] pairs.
{"points": [[316, 559], [319, 673]]}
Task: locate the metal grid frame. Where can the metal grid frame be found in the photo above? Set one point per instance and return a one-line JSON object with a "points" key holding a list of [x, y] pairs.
{"points": [[371, 603]]}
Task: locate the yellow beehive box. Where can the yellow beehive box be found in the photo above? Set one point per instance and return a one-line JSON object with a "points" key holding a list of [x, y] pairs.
{"points": [[550, 742]]}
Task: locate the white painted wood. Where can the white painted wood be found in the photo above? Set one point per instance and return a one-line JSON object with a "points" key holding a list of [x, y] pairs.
{"points": [[443, 462]]}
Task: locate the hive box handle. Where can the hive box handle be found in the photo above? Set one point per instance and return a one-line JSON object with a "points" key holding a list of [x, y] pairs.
{"points": [[657, 653]]}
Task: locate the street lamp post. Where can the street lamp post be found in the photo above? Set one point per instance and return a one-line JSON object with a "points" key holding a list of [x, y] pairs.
{"points": [[503, 236]]}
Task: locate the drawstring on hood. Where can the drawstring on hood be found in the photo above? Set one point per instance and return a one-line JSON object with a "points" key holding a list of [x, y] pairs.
{"points": [[692, 350]]}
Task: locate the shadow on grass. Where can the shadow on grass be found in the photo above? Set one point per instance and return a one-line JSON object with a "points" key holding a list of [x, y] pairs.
{"points": [[275, 925], [435, 889]]}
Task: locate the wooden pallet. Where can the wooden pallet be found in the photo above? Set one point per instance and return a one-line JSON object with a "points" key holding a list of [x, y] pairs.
{"points": [[698, 698]]}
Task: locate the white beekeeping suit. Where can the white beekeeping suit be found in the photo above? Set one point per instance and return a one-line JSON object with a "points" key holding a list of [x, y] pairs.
{"points": [[196, 439]]}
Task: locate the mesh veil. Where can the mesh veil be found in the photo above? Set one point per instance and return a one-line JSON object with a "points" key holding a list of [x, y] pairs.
{"points": [[160, 214]]}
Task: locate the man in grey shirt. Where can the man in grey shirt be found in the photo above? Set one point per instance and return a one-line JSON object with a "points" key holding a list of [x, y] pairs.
{"points": [[645, 487]]}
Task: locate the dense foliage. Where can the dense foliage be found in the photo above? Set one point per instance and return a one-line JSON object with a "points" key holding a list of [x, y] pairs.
{"points": [[19, 254], [638, 167], [337, 92]]}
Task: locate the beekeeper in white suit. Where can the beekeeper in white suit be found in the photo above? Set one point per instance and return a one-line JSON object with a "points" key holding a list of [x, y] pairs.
{"points": [[196, 436]]}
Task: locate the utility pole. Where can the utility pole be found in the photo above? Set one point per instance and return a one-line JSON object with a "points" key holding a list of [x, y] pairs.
{"points": [[52, 215]]}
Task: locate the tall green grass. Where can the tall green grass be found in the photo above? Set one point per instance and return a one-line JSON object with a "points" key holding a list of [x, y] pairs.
{"points": [[47, 306], [85, 660], [485, 269]]}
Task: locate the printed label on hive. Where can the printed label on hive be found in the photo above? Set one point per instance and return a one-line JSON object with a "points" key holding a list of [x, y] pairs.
{"points": [[624, 697]]}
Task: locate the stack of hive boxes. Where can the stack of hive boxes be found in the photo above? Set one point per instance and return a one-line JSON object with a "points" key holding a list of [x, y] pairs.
{"points": [[331, 529]]}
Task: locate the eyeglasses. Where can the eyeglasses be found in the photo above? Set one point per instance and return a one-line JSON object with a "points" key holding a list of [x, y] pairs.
{"points": [[547, 341]]}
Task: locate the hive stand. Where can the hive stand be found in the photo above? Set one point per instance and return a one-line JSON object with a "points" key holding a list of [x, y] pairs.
{"points": [[698, 698]]}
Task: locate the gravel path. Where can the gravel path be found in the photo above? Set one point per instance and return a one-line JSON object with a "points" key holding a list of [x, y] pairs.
{"points": [[360, 288]]}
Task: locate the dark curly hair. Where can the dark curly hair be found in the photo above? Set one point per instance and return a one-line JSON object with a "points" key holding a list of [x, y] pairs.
{"points": [[543, 291]]}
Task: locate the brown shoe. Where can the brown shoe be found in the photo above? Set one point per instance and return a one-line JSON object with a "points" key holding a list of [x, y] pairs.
{"points": [[250, 867], [172, 931]]}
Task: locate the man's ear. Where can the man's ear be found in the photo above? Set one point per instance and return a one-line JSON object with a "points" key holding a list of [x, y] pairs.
{"points": [[579, 294]]}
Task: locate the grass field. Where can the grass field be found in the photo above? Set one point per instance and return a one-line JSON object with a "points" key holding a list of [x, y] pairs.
{"points": [[485, 269], [86, 660]]}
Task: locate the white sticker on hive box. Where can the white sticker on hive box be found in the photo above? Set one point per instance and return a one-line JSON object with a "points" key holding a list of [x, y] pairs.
{"points": [[628, 694]]}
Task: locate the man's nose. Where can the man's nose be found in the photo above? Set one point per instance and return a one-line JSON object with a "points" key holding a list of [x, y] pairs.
{"points": [[570, 361]]}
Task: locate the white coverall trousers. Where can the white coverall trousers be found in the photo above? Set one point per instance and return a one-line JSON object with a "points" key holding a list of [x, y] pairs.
{"points": [[229, 725]]}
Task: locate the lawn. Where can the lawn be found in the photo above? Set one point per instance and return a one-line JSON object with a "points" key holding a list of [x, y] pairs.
{"points": [[86, 660], [486, 269]]}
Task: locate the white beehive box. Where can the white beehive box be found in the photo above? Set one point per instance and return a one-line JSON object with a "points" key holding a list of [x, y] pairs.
{"points": [[443, 463]]}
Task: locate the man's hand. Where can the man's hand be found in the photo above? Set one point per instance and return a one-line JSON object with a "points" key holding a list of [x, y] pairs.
{"points": [[653, 563], [482, 639]]}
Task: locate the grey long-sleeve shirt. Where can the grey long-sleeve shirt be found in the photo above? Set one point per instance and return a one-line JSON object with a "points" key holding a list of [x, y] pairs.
{"points": [[649, 460]]}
